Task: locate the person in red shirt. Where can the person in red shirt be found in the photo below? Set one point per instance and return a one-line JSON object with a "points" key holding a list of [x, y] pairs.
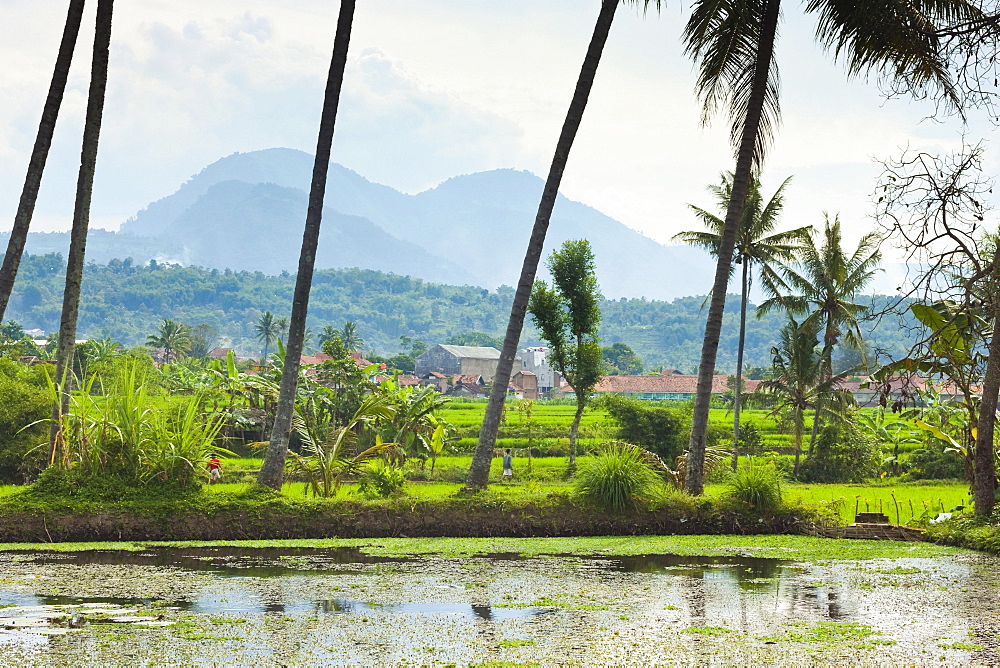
{"points": [[214, 470]]}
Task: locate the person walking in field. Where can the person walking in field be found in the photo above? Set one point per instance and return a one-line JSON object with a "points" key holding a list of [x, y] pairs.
{"points": [[214, 470], [508, 466]]}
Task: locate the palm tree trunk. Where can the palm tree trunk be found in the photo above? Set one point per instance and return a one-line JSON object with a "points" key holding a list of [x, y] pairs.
{"points": [[695, 482], [271, 473], [738, 392], [39, 154], [480, 470], [985, 480], [81, 215]]}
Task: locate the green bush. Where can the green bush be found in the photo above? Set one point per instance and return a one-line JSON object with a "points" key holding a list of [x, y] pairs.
{"points": [[842, 454], [933, 463], [25, 401], [618, 478], [757, 485], [381, 480], [657, 428]]}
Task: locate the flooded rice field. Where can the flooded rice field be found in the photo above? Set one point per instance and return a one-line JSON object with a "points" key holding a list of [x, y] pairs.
{"points": [[296, 606]]}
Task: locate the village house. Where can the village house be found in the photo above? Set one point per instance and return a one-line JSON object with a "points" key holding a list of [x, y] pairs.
{"points": [[458, 360], [535, 360], [524, 385]]}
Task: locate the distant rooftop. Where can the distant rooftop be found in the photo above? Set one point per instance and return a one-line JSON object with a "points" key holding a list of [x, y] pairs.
{"points": [[473, 352]]}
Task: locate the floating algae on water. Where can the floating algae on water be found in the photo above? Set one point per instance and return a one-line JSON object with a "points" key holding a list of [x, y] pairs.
{"points": [[297, 606]]}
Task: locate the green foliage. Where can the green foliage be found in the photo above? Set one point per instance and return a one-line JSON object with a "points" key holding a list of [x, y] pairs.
{"points": [[934, 462], [568, 315], [380, 479], [618, 478], [620, 359], [659, 429], [173, 338], [750, 440], [330, 449], [126, 433], [75, 484], [26, 401], [127, 302], [757, 485], [843, 454]]}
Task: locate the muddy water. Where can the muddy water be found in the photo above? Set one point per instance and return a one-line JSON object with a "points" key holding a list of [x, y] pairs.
{"points": [[300, 606]]}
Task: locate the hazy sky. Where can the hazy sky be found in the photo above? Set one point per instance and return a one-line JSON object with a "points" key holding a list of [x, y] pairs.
{"points": [[435, 88]]}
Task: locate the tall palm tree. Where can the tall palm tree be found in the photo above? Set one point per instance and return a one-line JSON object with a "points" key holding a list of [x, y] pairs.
{"points": [[81, 215], [274, 459], [733, 44], [39, 153], [350, 337], [822, 284], [173, 338], [752, 248], [267, 329], [799, 382], [479, 471]]}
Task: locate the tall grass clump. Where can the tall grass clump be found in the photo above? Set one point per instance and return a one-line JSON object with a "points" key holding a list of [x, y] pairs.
{"points": [[618, 478], [124, 434], [758, 486]]}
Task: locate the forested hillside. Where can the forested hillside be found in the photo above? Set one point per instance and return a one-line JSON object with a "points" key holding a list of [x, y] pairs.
{"points": [[126, 302]]}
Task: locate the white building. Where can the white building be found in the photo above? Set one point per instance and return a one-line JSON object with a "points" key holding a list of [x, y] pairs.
{"points": [[536, 360]]}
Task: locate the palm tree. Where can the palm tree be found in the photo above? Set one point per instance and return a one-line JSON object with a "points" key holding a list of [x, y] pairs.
{"points": [[81, 216], [752, 247], [282, 324], [267, 329], [350, 337], [172, 338], [798, 381], [274, 459], [327, 334], [822, 284], [39, 153], [480, 470], [733, 44]]}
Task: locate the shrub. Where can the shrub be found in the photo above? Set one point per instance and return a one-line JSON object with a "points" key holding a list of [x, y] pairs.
{"points": [[657, 428], [842, 454], [618, 478], [381, 480], [26, 401], [758, 486], [933, 463]]}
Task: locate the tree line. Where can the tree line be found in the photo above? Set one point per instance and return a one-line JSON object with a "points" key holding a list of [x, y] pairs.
{"points": [[127, 303]]}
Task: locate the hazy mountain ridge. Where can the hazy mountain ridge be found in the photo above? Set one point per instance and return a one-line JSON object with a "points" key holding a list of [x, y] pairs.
{"points": [[246, 212], [469, 229]]}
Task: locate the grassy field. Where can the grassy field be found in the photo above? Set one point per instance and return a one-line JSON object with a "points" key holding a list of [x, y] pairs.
{"points": [[902, 502]]}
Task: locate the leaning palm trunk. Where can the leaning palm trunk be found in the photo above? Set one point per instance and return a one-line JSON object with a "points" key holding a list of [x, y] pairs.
{"points": [[81, 215], [738, 392], [480, 469], [741, 185], [39, 154], [271, 473]]}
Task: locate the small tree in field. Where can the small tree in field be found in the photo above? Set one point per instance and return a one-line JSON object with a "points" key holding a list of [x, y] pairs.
{"points": [[567, 315]]}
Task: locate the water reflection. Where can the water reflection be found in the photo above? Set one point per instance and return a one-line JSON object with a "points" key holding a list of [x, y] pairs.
{"points": [[240, 562]]}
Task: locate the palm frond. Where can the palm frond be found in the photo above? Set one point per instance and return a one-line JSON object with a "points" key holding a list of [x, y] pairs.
{"points": [[896, 38], [723, 37]]}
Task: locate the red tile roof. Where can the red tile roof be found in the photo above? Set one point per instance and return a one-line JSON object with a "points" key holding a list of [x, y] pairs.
{"points": [[675, 384]]}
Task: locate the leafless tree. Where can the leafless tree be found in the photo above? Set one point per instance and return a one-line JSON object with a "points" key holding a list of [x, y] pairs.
{"points": [[935, 208]]}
